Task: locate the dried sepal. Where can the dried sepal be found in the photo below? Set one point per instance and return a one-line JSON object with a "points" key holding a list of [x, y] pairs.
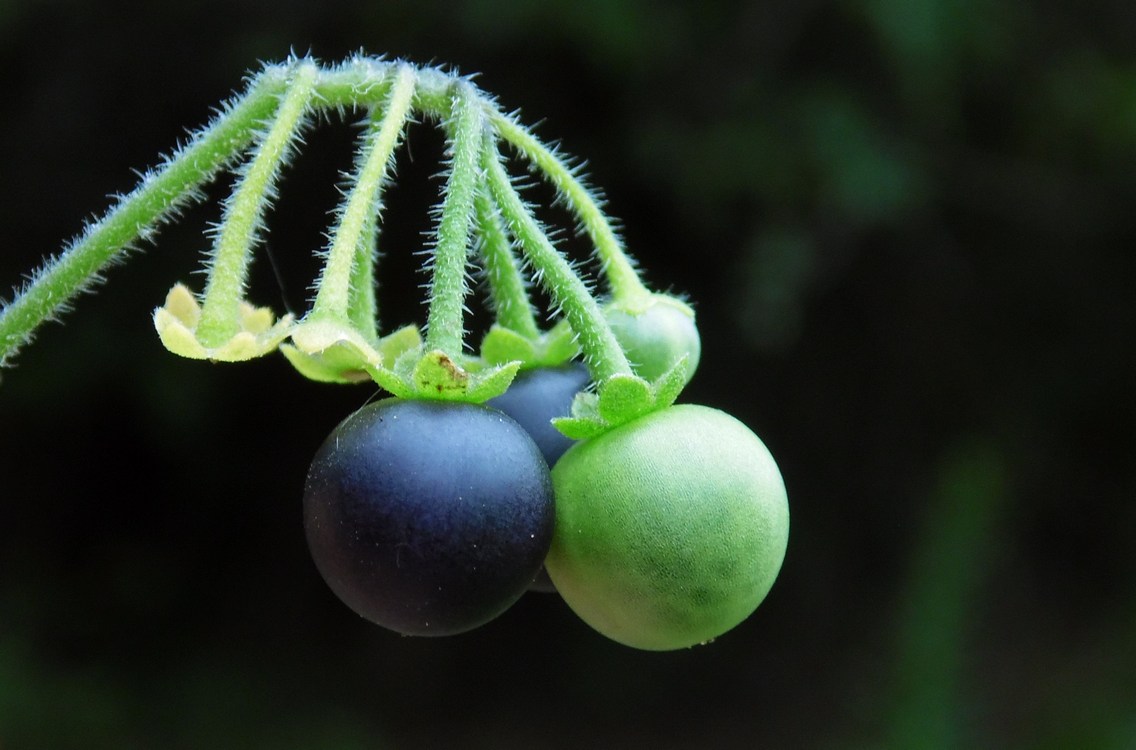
{"points": [[258, 333]]}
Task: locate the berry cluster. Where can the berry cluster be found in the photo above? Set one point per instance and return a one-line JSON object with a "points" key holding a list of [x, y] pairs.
{"points": [[431, 518], [550, 458]]}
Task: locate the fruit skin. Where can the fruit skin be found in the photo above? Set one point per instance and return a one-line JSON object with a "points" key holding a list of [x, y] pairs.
{"points": [[670, 529], [655, 334], [538, 395], [428, 517], [534, 398]]}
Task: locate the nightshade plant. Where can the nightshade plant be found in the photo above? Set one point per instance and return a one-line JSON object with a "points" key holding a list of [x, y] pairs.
{"points": [[430, 513]]}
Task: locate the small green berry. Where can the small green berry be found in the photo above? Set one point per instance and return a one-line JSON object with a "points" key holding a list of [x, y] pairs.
{"points": [[656, 334], [670, 529]]}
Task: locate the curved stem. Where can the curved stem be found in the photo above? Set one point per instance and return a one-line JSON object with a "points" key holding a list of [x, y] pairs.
{"points": [[363, 299], [364, 82], [346, 288], [244, 212], [161, 192], [601, 349], [446, 320], [359, 81], [283, 95], [621, 275], [506, 286]]}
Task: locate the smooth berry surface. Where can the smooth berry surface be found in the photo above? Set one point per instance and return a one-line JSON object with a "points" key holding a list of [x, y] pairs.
{"points": [[426, 517], [534, 398], [670, 529], [537, 396], [657, 337]]}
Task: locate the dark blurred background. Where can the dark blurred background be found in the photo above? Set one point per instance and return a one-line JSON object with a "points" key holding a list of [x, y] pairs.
{"points": [[909, 229]]}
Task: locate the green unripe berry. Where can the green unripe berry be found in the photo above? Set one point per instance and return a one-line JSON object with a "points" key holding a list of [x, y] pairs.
{"points": [[670, 529], [656, 334]]}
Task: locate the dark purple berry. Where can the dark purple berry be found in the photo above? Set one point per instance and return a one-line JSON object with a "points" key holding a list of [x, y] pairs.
{"points": [[534, 398], [428, 517]]}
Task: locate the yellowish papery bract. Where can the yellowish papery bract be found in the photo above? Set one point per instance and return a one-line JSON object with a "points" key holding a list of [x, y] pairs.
{"points": [[670, 529], [257, 331]]}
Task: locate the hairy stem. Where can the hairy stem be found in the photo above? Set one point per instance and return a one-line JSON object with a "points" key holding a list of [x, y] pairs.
{"points": [[506, 286], [446, 319], [364, 82], [601, 349], [620, 273], [244, 212], [278, 99], [162, 191], [346, 285]]}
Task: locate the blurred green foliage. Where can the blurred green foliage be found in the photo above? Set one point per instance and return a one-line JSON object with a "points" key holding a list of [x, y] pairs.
{"points": [[909, 231]]}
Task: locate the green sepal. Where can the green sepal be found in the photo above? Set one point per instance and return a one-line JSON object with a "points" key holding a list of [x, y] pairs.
{"points": [[552, 348], [391, 382], [491, 382], [503, 344], [585, 421], [574, 428], [670, 384], [399, 341], [621, 399], [558, 345], [437, 375], [624, 397], [258, 332]]}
